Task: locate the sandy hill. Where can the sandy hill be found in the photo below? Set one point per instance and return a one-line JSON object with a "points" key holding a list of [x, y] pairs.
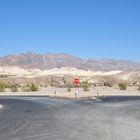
{"points": [[58, 76], [17, 71]]}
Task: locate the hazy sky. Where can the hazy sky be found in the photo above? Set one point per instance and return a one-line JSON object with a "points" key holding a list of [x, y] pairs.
{"points": [[84, 28]]}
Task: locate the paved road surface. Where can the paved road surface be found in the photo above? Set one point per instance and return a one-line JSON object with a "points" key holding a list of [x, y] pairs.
{"points": [[38, 118]]}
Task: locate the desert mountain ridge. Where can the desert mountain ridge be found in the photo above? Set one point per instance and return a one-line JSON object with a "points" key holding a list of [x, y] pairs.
{"points": [[32, 60]]}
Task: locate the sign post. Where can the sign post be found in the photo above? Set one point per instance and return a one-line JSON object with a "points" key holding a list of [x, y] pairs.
{"points": [[76, 82]]}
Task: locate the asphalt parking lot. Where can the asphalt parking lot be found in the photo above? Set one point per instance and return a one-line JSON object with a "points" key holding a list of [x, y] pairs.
{"points": [[41, 118]]}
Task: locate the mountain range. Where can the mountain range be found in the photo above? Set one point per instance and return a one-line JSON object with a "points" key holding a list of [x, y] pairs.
{"points": [[49, 61]]}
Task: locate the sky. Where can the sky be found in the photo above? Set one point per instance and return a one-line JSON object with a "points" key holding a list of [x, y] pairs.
{"points": [[83, 28]]}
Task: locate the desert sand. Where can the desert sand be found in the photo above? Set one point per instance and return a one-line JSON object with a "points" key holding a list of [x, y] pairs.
{"points": [[32, 73]]}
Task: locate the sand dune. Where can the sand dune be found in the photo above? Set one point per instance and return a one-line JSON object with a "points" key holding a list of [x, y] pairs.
{"points": [[56, 71]]}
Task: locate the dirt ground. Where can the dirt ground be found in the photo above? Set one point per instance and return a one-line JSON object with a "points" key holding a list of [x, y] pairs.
{"points": [[79, 93]]}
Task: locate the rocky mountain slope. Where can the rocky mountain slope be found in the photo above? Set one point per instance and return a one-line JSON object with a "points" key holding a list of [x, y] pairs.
{"points": [[50, 61]]}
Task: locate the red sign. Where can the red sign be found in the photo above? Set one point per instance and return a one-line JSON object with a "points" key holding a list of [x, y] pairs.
{"points": [[76, 82]]}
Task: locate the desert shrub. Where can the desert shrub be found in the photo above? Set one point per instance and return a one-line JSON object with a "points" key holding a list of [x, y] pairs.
{"points": [[14, 88], [64, 81], [94, 85], [30, 88], [25, 89], [108, 84], [2, 86], [3, 76], [139, 87], [122, 86], [69, 88], [85, 86], [72, 85]]}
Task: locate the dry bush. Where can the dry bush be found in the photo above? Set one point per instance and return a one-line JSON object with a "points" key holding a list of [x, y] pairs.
{"points": [[2, 86], [30, 88], [85, 86], [14, 88], [138, 88], [122, 86]]}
